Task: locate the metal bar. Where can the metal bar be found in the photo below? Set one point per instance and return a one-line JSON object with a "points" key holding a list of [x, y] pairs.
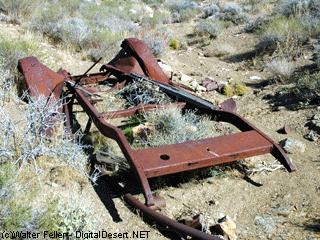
{"points": [[165, 221], [135, 110]]}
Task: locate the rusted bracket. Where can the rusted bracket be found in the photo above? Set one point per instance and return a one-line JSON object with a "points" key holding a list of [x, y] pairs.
{"points": [[157, 161]]}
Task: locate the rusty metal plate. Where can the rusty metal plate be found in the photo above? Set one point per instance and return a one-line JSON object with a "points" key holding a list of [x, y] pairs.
{"points": [[40, 80]]}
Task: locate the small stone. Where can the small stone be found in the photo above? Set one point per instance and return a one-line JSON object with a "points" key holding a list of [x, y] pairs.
{"points": [[229, 105], [255, 78], [316, 117], [201, 88], [315, 125], [226, 227], [166, 68], [284, 130], [143, 130], [312, 136], [185, 78], [291, 145], [282, 211], [210, 84], [194, 222], [266, 222], [280, 108], [194, 85]]}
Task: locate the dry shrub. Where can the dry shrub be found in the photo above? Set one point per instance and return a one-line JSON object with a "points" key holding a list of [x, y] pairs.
{"points": [[281, 69], [172, 126]]}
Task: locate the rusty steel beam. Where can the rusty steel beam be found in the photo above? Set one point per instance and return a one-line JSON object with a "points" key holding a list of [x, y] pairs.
{"points": [[139, 109]]}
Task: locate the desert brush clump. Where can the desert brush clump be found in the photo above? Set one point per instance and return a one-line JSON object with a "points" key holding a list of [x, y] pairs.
{"points": [[26, 139], [17, 10], [237, 89], [182, 10], [256, 24], [307, 87], [233, 12], [285, 35], [209, 27], [172, 126], [281, 69], [141, 92], [316, 55], [175, 44], [157, 41], [26, 208], [97, 30], [28, 154], [210, 10], [11, 50], [298, 7]]}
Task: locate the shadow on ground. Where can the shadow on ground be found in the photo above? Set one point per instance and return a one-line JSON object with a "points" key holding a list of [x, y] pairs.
{"points": [[312, 225]]}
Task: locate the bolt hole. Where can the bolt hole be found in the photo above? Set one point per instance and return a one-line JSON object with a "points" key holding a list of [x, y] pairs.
{"points": [[208, 149], [164, 157]]}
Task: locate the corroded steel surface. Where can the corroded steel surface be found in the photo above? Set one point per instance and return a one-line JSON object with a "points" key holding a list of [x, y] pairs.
{"points": [[190, 155], [39, 79]]}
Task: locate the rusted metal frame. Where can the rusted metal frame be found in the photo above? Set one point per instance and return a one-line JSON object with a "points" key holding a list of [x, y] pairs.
{"points": [[139, 109], [116, 134], [165, 221], [90, 78], [34, 73], [245, 125], [190, 155]]}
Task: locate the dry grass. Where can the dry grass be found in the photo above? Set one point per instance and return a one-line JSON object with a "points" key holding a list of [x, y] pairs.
{"points": [[185, 126]]}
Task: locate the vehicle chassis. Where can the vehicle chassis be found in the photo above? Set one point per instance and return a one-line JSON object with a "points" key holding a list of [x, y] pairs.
{"points": [[156, 161]]}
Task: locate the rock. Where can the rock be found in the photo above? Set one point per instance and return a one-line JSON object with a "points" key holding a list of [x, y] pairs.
{"points": [[210, 84], [255, 78], [280, 108], [209, 53], [291, 145], [194, 222], [166, 68], [315, 125], [316, 117], [312, 136], [229, 105], [143, 130], [201, 89], [266, 222], [226, 227], [194, 85], [284, 130], [185, 78], [220, 88]]}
